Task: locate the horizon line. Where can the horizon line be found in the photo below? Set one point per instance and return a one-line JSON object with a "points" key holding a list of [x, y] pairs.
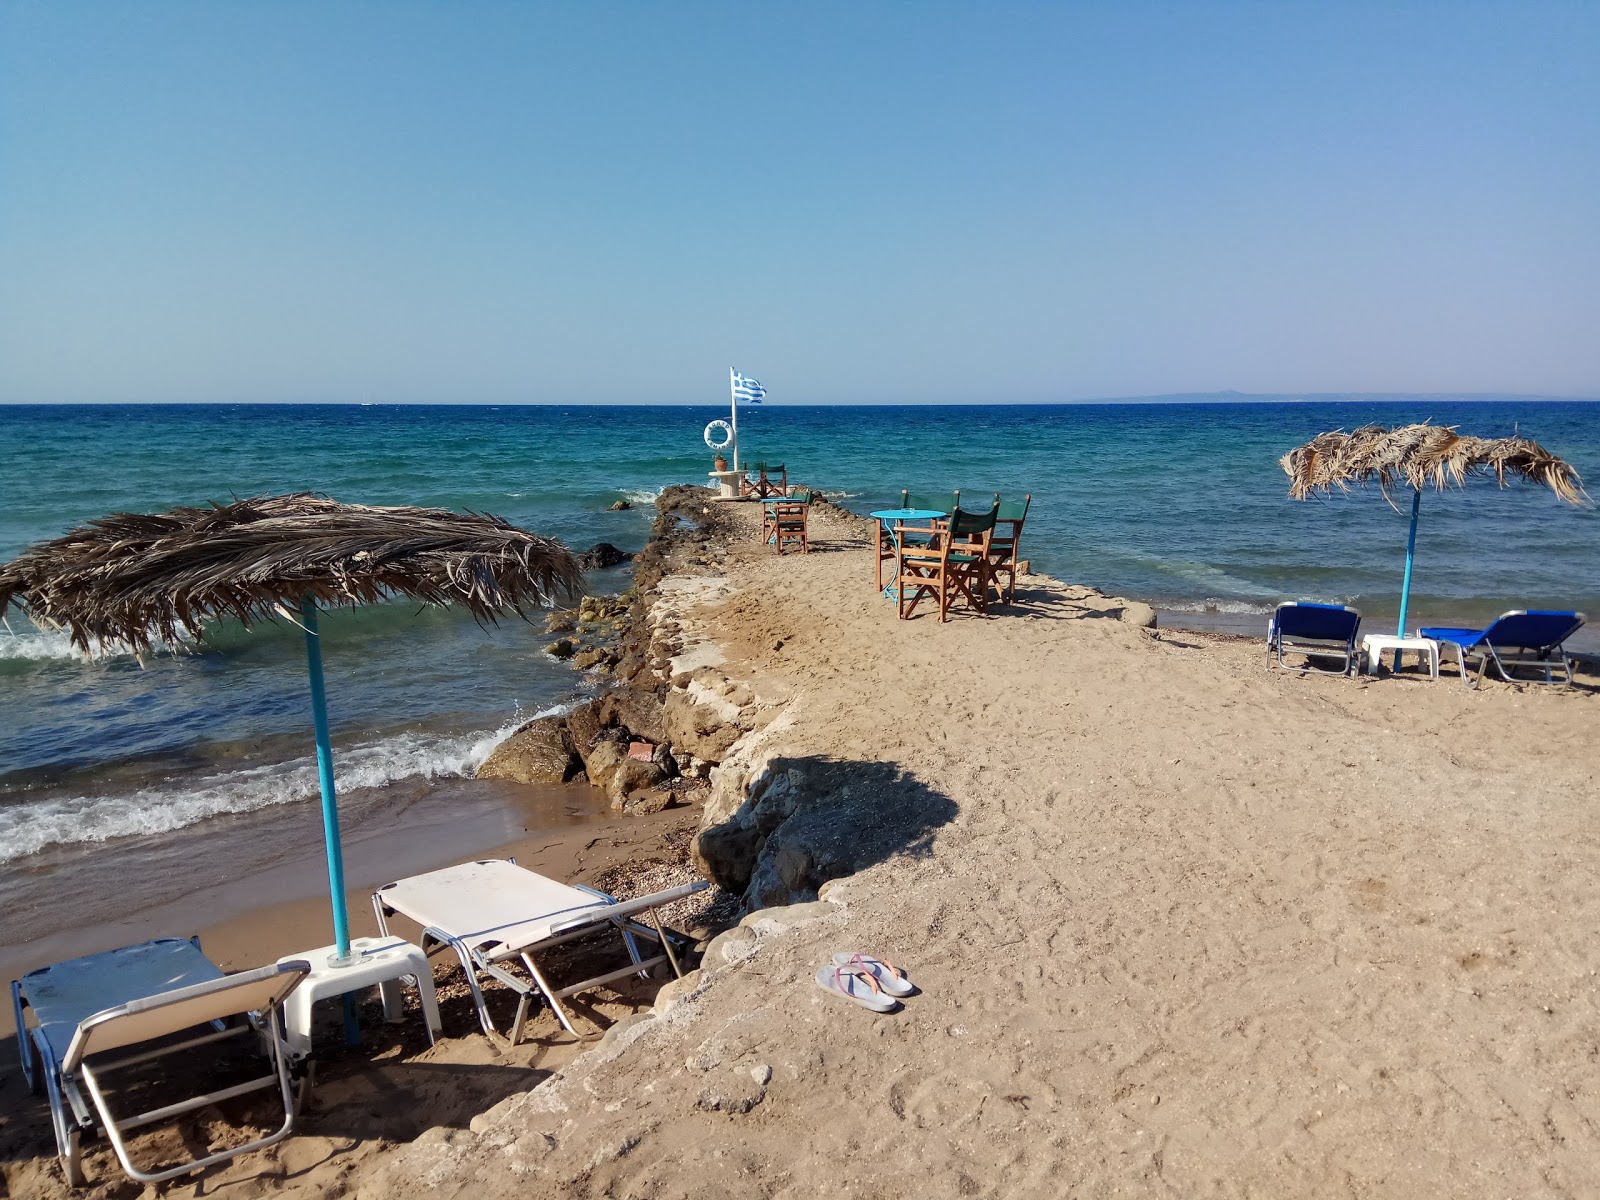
{"points": [[1162, 398]]}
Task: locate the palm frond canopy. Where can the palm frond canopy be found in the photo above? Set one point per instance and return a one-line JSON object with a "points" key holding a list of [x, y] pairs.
{"points": [[1419, 455], [141, 579]]}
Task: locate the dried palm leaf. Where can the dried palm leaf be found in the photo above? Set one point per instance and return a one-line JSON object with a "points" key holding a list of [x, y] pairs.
{"points": [[140, 579], [1420, 455]]}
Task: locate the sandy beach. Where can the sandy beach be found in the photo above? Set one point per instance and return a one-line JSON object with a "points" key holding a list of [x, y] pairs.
{"points": [[1181, 924]]}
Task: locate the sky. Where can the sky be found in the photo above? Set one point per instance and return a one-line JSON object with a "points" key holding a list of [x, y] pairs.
{"points": [[853, 202]]}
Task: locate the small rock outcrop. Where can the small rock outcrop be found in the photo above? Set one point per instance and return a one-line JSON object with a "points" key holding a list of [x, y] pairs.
{"points": [[540, 752], [1139, 615], [603, 555]]}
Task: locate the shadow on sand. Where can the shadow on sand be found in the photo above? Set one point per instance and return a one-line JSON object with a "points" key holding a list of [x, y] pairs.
{"points": [[807, 820]]}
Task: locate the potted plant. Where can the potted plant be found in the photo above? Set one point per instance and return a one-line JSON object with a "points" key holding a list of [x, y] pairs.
{"points": [[721, 463]]}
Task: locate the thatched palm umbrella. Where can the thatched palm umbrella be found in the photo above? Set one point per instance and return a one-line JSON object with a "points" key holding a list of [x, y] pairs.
{"points": [[1416, 456], [140, 580]]}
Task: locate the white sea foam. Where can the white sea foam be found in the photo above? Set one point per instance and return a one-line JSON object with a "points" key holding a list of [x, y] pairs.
{"points": [[642, 495], [40, 646], [26, 827], [1244, 607]]}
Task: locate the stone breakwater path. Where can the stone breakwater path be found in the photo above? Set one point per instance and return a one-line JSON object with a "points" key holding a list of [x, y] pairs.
{"points": [[1181, 924]]}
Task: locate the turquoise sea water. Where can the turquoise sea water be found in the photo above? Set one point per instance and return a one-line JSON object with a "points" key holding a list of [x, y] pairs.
{"points": [[1181, 504]]}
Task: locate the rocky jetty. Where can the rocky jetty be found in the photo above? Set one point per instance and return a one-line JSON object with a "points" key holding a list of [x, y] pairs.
{"points": [[676, 727]]}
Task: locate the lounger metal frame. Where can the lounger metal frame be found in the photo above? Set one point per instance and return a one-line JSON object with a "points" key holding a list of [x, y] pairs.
{"points": [[72, 1112], [1278, 642], [475, 962], [1540, 658]]}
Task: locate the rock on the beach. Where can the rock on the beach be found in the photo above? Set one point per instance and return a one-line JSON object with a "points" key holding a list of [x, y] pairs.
{"points": [[648, 800], [561, 648], [583, 723], [636, 710], [602, 555], [589, 658], [540, 752], [631, 775], [1140, 615], [601, 761], [726, 854], [620, 506], [696, 730]]}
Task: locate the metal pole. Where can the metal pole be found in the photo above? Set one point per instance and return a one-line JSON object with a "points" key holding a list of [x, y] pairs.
{"points": [[1405, 587], [733, 404], [330, 802]]}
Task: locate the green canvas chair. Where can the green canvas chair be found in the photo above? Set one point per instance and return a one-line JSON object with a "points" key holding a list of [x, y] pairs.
{"points": [[1003, 546], [955, 567]]}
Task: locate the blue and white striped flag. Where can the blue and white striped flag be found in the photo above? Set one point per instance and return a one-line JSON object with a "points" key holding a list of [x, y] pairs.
{"points": [[747, 390]]}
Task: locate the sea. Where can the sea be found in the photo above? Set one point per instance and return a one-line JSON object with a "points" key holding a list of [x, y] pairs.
{"points": [[1180, 504]]}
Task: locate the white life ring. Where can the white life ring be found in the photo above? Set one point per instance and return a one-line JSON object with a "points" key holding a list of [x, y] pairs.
{"points": [[726, 441]]}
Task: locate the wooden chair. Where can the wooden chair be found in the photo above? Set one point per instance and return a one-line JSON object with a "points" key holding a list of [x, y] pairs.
{"points": [[920, 534], [1003, 546], [790, 521], [956, 567], [762, 487]]}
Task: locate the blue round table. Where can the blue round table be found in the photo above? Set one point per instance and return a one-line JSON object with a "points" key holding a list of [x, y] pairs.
{"points": [[892, 519]]}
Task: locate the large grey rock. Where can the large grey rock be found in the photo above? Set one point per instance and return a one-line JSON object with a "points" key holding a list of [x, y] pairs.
{"points": [[539, 752], [804, 822]]}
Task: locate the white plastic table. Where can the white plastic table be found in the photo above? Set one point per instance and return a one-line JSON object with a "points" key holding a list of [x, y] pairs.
{"points": [[1375, 645], [381, 961]]}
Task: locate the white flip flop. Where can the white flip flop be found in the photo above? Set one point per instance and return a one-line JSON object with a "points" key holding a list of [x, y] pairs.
{"points": [[857, 984], [889, 977]]}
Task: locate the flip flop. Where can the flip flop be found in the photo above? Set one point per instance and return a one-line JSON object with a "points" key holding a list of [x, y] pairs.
{"points": [[888, 976], [854, 983]]}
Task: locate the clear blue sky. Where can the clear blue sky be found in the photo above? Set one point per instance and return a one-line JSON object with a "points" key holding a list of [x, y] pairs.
{"points": [[504, 202]]}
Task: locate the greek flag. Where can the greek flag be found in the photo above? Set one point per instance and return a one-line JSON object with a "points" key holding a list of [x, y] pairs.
{"points": [[747, 390]]}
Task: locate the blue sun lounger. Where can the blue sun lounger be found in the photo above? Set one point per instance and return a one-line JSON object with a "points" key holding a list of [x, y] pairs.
{"points": [[1322, 630], [155, 1000], [1514, 639]]}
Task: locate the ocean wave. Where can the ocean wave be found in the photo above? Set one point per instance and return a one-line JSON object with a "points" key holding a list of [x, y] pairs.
{"points": [[1244, 607], [641, 495], [30, 826], [41, 646]]}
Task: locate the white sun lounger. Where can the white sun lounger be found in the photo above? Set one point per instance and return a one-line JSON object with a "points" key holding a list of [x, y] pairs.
{"points": [[493, 913], [164, 992]]}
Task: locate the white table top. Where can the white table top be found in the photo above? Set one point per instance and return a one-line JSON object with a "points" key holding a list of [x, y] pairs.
{"points": [[1393, 641]]}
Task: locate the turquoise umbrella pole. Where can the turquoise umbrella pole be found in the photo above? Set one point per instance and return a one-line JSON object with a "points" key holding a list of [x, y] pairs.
{"points": [[1411, 550], [330, 803]]}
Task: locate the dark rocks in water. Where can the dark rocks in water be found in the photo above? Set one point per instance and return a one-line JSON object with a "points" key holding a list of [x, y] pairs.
{"points": [[562, 648], [620, 506], [590, 658], [540, 752], [602, 555]]}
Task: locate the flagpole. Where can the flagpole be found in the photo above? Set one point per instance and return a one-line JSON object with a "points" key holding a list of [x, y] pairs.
{"points": [[733, 405]]}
